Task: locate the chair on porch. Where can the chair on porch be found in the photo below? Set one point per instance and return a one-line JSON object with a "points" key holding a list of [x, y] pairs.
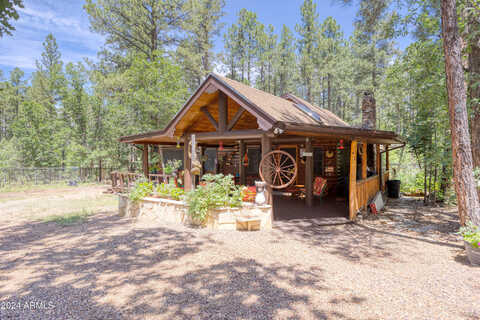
{"points": [[320, 187]]}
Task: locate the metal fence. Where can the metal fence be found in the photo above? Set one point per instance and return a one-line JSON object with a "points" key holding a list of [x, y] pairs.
{"points": [[71, 175]]}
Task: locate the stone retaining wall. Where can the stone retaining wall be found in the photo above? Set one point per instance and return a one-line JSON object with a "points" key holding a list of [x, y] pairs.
{"points": [[249, 216]]}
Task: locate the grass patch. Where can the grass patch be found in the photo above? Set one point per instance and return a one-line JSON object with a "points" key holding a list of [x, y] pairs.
{"points": [[69, 218], [41, 187]]}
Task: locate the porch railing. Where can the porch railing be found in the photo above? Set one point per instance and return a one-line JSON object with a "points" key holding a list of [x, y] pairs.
{"points": [[366, 190], [123, 181]]}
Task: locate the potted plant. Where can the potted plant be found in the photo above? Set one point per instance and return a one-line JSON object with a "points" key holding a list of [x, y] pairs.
{"points": [[471, 239]]}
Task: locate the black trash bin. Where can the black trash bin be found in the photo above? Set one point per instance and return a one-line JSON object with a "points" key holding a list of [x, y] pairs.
{"points": [[393, 188]]}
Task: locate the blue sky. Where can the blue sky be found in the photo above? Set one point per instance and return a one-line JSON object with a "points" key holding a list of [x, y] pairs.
{"points": [[69, 23]]}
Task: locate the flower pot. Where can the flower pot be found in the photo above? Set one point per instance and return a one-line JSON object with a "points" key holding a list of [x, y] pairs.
{"points": [[473, 254]]}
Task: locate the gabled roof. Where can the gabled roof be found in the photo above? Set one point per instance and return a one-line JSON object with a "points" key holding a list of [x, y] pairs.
{"points": [[283, 109], [287, 112]]}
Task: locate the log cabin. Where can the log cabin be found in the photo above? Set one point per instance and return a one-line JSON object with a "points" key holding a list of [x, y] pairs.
{"points": [[314, 163]]}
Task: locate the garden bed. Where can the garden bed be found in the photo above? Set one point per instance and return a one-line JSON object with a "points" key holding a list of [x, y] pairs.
{"points": [[247, 217]]}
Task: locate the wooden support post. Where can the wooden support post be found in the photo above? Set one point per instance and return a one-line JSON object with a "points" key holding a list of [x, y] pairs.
{"points": [[378, 161], [266, 148], [379, 166], [364, 160], [352, 197], [187, 166], [387, 158], [309, 172], [242, 150], [202, 154], [145, 160], [222, 112]]}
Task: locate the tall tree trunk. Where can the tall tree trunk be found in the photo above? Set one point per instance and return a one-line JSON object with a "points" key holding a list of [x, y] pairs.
{"points": [[473, 36], [467, 197], [329, 92]]}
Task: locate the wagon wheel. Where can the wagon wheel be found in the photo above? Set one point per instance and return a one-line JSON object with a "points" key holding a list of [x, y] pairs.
{"points": [[278, 169]]}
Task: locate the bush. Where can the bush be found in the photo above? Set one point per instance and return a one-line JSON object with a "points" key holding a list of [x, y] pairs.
{"points": [[140, 190], [172, 166], [218, 191], [170, 190], [471, 234]]}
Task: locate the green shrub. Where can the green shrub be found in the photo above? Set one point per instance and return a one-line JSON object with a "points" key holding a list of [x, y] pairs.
{"points": [[169, 190], [140, 190], [218, 191], [172, 166], [471, 234]]}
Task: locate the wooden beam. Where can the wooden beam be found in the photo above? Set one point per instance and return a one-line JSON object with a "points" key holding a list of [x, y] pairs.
{"points": [[231, 135], [145, 161], [352, 196], [309, 173], [364, 160], [266, 148], [209, 117], [242, 151], [187, 166], [222, 112], [235, 118]]}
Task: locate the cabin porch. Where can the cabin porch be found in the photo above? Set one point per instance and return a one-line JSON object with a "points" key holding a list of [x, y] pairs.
{"points": [[348, 189]]}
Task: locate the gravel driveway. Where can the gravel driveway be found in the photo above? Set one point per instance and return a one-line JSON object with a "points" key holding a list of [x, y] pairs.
{"points": [[112, 268]]}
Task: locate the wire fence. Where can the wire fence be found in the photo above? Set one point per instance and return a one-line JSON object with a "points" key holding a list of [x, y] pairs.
{"points": [[51, 175]]}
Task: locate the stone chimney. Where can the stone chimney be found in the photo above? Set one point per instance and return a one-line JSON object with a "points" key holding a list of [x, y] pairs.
{"points": [[369, 111]]}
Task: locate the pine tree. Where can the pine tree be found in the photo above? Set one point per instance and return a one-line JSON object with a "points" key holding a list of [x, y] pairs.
{"points": [[465, 187], [8, 12], [307, 44], [285, 63], [266, 55], [141, 26], [195, 52], [49, 80]]}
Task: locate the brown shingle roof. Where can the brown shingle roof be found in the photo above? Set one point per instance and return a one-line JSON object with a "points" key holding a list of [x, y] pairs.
{"points": [[285, 112], [283, 109]]}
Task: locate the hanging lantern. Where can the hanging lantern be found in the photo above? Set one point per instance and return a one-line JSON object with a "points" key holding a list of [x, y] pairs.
{"points": [[245, 160], [220, 147], [340, 146], [178, 144]]}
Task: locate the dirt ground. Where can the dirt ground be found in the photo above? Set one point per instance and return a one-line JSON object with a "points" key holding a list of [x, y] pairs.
{"points": [[109, 267]]}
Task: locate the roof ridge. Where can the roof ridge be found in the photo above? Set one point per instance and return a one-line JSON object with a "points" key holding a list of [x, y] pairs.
{"points": [[246, 85]]}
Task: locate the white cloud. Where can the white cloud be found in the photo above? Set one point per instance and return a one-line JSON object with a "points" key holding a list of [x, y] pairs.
{"points": [[66, 20]]}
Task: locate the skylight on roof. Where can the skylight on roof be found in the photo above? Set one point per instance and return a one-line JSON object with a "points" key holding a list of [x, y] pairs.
{"points": [[309, 112]]}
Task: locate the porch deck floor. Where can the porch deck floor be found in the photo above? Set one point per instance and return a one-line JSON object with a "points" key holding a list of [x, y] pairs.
{"points": [[328, 208]]}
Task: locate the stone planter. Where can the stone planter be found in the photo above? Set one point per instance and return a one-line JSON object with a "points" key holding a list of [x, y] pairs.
{"points": [[222, 219], [248, 217], [473, 254], [127, 208]]}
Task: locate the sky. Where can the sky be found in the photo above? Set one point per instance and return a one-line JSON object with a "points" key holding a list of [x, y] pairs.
{"points": [[68, 22]]}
